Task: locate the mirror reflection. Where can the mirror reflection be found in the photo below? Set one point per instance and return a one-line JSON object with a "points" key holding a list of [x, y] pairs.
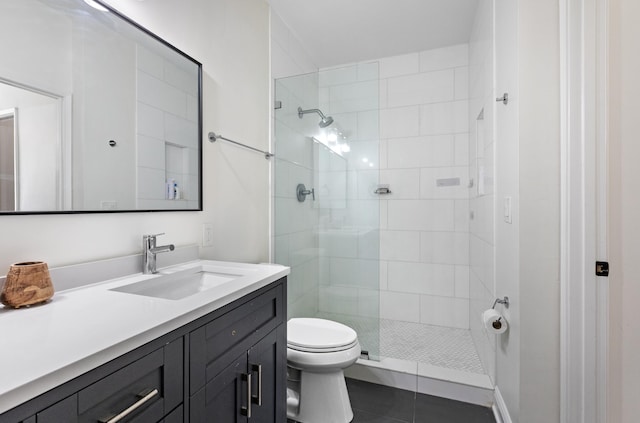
{"points": [[96, 114]]}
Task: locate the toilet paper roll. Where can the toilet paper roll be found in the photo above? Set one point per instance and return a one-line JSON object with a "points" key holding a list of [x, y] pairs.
{"points": [[494, 322]]}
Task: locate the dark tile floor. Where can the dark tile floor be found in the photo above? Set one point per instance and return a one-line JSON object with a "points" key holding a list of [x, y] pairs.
{"points": [[374, 403]]}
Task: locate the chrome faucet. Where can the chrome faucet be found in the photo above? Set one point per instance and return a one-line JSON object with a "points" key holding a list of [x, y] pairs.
{"points": [[149, 251]]}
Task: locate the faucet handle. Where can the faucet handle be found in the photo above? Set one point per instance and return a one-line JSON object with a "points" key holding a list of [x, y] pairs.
{"points": [[153, 235]]}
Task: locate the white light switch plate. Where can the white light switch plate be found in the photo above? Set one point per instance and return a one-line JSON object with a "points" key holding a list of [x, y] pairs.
{"points": [[507, 210], [207, 235]]}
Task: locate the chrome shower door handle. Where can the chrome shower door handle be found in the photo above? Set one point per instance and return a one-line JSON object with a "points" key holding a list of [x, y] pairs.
{"points": [[302, 192]]}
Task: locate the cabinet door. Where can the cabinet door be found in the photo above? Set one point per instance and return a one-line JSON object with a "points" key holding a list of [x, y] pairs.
{"points": [[226, 398], [267, 364]]}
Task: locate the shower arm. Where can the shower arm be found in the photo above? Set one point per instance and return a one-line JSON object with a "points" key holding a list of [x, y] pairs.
{"points": [[325, 120], [303, 112]]}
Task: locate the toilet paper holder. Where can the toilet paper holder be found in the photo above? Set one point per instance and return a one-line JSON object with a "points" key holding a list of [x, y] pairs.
{"points": [[504, 301]]}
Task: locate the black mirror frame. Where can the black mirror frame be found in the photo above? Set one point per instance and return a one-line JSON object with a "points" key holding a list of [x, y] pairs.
{"points": [[200, 144]]}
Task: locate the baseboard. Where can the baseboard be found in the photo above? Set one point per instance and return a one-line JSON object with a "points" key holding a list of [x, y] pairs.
{"points": [[500, 410], [446, 383]]}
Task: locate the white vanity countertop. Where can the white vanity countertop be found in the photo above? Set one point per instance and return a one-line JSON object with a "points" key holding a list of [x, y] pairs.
{"points": [[80, 329]]}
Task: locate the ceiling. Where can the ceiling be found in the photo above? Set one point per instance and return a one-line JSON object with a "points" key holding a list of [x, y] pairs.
{"points": [[337, 32]]}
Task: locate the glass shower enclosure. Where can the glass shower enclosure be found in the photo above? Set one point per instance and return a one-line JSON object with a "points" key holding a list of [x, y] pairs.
{"points": [[326, 209]]}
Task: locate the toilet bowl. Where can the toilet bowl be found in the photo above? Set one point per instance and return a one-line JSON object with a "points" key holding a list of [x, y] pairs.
{"points": [[318, 351]]}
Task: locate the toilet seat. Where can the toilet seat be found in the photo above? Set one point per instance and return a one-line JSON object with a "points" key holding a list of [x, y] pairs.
{"points": [[319, 335], [322, 350]]}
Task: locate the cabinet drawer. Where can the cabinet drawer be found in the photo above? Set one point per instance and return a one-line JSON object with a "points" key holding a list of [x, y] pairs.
{"points": [[153, 383], [215, 345]]}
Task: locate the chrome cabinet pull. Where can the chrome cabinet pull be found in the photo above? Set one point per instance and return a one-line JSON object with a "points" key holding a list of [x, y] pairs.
{"points": [[246, 411], [257, 399], [144, 397]]}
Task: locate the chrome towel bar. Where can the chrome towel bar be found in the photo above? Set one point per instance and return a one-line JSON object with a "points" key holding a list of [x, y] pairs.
{"points": [[213, 137]]}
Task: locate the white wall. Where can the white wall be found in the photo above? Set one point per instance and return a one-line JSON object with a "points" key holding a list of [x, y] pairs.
{"points": [[288, 55], [508, 350], [539, 210], [230, 38], [624, 209]]}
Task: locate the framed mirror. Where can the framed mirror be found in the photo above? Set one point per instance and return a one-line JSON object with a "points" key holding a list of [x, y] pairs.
{"points": [[96, 113]]}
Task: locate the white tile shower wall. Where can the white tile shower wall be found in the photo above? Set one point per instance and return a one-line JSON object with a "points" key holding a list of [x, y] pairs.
{"points": [[166, 121], [295, 237], [348, 233], [423, 137], [425, 241], [481, 165], [295, 241]]}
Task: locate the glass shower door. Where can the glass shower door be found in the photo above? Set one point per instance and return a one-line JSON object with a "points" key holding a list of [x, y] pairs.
{"points": [[329, 236]]}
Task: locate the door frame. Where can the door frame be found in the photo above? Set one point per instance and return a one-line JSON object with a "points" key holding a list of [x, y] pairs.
{"points": [[584, 296], [13, 114]]}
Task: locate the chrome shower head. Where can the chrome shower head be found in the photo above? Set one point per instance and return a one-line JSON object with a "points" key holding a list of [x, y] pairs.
{"points": [[324, 121]]}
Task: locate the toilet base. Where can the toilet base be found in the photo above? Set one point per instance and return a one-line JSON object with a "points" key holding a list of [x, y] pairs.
{"points": [[323, 398]]}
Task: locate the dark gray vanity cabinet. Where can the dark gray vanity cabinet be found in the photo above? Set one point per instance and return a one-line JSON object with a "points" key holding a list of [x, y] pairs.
{"points": [[147, 390], [249, 389], [228, 366], [238, 364]]}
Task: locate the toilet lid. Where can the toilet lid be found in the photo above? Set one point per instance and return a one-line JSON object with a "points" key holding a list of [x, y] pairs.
{"points": [[319, 334]]}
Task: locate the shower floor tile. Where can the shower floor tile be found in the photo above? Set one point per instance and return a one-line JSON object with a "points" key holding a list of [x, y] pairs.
{"points": [[436, 345], [450, 348]]}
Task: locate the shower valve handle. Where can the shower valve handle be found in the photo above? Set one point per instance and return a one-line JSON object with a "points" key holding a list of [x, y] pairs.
{"points": [[302, 192]]}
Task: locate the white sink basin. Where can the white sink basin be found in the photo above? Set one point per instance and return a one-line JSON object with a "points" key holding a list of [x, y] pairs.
{"points": [[178, 285]]}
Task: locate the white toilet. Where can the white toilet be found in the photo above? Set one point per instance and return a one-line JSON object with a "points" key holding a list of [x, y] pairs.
{"points": [[318, 351]]}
